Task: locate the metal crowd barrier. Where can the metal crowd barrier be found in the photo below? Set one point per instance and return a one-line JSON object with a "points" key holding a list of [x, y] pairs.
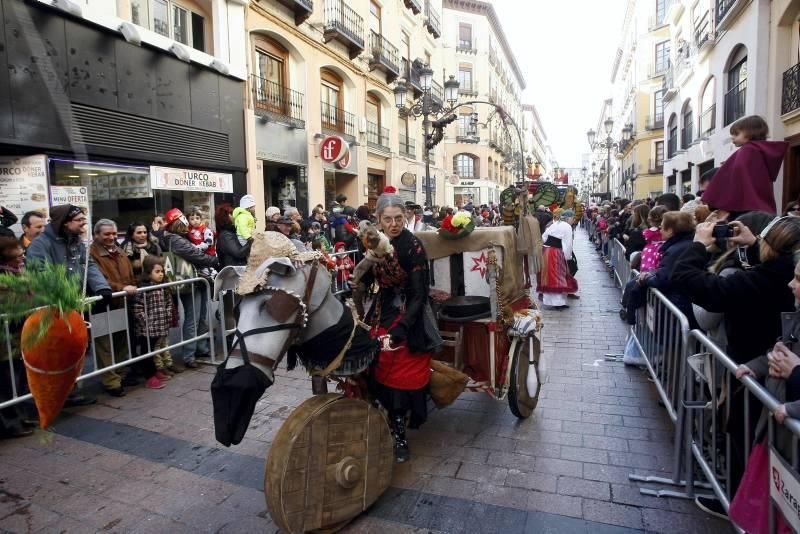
{"points": [[109, 325], [619, 264]]}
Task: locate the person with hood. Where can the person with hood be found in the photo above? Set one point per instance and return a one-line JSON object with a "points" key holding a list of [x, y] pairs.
{"points": [[194, 300], [61, 244], [244, 218], [229, 250], [745, 181]]}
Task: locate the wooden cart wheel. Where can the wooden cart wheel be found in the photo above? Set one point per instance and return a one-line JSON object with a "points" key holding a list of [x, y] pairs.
{"points": [[329, 462], [520, 401]]}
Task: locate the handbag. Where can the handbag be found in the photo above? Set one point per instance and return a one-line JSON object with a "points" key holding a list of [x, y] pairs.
{"points": [[432, 338], [749, 509], [572, 264], [177, 269]]}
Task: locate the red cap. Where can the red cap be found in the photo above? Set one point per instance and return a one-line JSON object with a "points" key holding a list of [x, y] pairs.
{"points": [[339, 244], [173, 215], [389, 189]]}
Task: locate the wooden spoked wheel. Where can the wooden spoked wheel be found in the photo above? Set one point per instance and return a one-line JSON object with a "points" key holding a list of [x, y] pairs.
{"points": [[330, 461], [520, 400]]}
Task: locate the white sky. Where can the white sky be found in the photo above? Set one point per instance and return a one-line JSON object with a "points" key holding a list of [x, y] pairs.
{"points": [[565, 49]]}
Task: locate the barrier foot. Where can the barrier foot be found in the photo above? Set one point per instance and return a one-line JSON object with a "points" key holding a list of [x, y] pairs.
{"points": [[613, 357], [670, 482]]}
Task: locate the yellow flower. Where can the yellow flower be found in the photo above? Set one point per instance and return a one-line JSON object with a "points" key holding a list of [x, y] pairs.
{"points": [[461, 219]]}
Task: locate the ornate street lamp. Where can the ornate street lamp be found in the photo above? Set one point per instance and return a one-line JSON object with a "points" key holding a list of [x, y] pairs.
{"points": [[608, 144]]}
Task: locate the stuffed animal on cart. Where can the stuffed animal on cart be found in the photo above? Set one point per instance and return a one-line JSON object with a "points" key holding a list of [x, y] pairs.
{"points": [[378, 249]]}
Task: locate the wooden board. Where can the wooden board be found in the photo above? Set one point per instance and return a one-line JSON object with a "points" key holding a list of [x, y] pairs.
{"points": [[330, 461]]}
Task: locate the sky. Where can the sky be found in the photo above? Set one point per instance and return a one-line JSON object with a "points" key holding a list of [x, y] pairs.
{"points": [[565, 49]]}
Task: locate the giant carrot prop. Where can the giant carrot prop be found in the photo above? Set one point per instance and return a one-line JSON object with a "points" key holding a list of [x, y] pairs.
{"points": [[53, 337]]}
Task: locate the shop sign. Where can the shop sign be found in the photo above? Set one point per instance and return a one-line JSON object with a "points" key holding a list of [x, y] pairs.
{"points": [[333, 148], [408, 179], [190, 180], [784, 489], [76, 195], [23, 185], [467, 182], [344, 162]]}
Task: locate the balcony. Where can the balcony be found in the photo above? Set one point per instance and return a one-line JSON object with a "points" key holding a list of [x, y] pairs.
{"points": [[687, 135], [669, 87], [414, 5], [655, 122], [344, 25], [655, 167], [735, 102], [704, 34], [708, 121], [437, 92], [408, 147], [672, 146], [433, 21], [302, 9], [727, 11], [338, 121], [466, 46], [377, 137], [272, 100], [470, 89], [384, 56], [466, 136], [790, 99]]}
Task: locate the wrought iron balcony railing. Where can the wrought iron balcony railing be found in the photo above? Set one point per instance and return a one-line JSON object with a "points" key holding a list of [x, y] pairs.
{"points": [[342, 23], [687, 135], [385, 56], [708, 121], [703, 32], [407, 147], [735, 102], [338, 120], [273, 99], [437, 92], [655, 167], [302, 9], [377, 136], [790, 96], [414, 5], [723, 7], [466, 45], [655, 122], [433, 21]]}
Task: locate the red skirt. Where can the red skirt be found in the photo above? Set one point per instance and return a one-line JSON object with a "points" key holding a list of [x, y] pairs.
{"points": [[554, 276], [401, 369]]}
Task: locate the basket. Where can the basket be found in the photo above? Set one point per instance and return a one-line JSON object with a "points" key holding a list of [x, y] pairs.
{"points": [[444, 234]]}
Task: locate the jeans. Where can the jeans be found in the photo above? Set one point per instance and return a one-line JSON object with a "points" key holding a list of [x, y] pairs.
{"points": [[195, 321]]}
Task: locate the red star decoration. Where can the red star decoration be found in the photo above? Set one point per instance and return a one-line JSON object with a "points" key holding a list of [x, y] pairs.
{"points": [[480, 264]]}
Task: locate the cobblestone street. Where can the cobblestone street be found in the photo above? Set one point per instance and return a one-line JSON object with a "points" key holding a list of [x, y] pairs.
{"points": [[149, 462]]}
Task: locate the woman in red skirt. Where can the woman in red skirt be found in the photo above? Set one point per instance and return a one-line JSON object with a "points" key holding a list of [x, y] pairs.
{"points": [[403, 368], [555, 281]]}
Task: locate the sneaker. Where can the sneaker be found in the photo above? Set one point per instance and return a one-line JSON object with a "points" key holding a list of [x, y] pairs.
{"points": [[191, 365], [161, 375], [711, 505], [154, 383], [174, 369]]}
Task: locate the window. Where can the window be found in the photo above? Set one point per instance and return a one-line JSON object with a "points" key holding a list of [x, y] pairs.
{"points": [[688, 127], [662, 56], [271, 61], [465, 77], [659, 154], [375, 17], [463, 124], [465, 36], [661, 11], [673, 136], [170, 19], [331, 100], [405, 50], [737, 86], [465, 166], [708, 109], [374, 134], [658, 106]]}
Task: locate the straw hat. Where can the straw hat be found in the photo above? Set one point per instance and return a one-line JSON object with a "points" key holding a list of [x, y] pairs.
{"points": [[269, 245]]}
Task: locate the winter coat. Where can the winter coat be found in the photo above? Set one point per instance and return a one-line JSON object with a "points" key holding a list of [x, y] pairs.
{"points": [[184, 248], [751, 300], [745, 181], [229, 250], [651, 253], [51, 247], [157, 319], [137, 254], [245, 223], [635, 241], [671, 250]]}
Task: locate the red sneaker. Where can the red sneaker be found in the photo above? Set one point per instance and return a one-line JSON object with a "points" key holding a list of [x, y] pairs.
{"points": [[154, 383], [162, 376]]}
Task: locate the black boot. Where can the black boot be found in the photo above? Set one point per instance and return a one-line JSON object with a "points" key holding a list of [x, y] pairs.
{"points": [[401, 452]]}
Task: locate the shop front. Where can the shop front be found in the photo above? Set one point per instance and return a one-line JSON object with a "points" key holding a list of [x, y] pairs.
{"points": [[283, 153], [475, 192], [341, 170]]}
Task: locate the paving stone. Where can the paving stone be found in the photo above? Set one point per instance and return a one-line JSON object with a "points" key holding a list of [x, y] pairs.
{"points": [[605, 443], [559, 467], [606, 473], [582, 454], [484, 474], [626, 494], [450, 487], [611, 513], [627, 432], [540, 450], [532, 481], [555, 504], [580, 487], [667, 522]]}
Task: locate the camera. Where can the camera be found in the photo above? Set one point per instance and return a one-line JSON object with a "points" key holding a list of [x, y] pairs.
{"points": [[722, 231]]}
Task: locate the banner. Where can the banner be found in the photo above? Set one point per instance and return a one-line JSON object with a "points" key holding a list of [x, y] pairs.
{"points": [[190, 180], [784, 489], [23, 186]]}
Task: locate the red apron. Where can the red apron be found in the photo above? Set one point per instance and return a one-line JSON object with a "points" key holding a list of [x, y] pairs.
{"points": [[401, 369]]}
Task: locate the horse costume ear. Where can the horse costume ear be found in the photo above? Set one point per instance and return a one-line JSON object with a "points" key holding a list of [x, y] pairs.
{"points": [[227, 280], [279, 266]]}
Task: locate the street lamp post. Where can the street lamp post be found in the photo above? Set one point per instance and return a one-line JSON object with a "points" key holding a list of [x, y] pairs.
{"points": [[607, 145], [426, 107]]}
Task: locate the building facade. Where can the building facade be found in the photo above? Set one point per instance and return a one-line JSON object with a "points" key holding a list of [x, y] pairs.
{"points": [[328, 68], [483, 155], [719, 60], [127, 108]]}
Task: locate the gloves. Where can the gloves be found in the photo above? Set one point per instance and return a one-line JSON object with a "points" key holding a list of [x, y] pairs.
{"points": [[398, 333], [105, 294]]}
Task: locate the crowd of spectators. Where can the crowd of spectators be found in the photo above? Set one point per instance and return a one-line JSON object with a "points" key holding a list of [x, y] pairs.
{"points": [[731, 264]]}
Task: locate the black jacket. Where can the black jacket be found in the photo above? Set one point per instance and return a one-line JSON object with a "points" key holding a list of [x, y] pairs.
{"points": [[671, 250], [229, 251], [7, 217], [184, 248], [751, 300], [635, 242]]}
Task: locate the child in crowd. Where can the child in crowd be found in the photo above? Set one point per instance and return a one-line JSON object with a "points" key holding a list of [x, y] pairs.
{"points": [[344, 265], [651, 255], [244, 219], [317, 233], [745, 181], [153, 316], [318, 244], [200, 234]]}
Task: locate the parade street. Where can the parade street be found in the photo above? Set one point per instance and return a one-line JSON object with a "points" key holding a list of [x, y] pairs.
{"points": [[149, 462]]}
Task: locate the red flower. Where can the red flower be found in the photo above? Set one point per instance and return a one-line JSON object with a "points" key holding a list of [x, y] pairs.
{"points": [[448, 226]]}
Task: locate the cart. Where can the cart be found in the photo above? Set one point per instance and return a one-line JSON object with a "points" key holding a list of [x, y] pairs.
{"points": [[483, 282]]}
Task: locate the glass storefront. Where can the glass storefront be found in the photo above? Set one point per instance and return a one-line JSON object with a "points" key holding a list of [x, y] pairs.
{"points": [[465, 195], [286, 186]]}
